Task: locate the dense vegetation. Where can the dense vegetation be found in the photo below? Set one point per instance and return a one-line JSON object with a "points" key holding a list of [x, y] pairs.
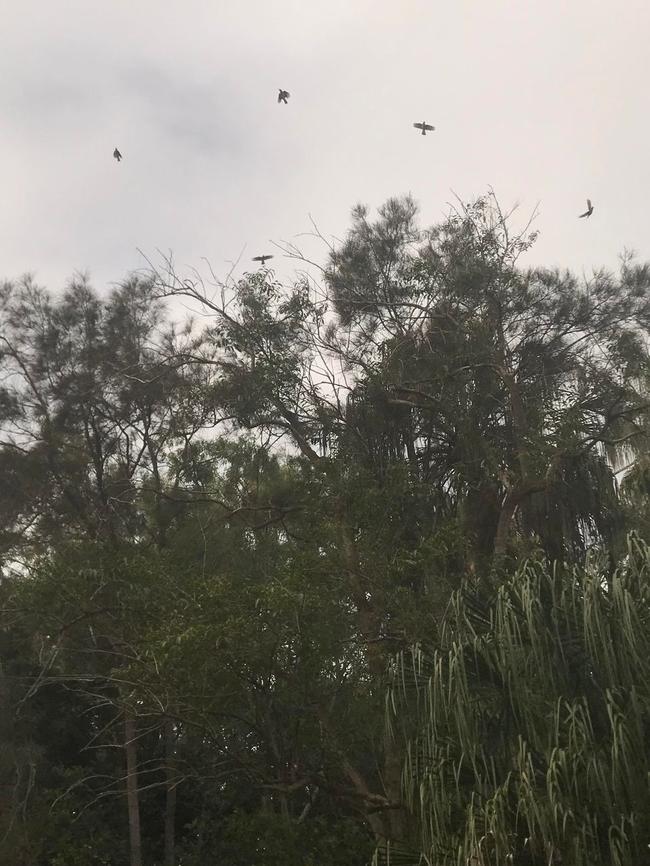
{"points": [[337, 568]]}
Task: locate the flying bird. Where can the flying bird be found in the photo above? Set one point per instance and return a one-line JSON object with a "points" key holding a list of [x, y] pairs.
{"points": [[283, 95], [117, 154], [589, 211], [424, 127], [261, 259]]}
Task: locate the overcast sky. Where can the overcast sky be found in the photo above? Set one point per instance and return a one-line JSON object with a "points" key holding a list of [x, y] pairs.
{"points": [[544, 100]]}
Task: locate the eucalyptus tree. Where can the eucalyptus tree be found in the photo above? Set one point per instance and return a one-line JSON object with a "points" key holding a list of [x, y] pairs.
{"points": [[268, 381]]}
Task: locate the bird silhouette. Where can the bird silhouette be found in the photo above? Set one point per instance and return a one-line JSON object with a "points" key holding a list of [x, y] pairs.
{"points": [[424, 127], [117, 154], [589, 211], [261, 259], [283, 95]]}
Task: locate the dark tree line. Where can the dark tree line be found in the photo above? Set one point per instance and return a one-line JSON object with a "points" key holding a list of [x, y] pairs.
{"points": [[220, 540]]}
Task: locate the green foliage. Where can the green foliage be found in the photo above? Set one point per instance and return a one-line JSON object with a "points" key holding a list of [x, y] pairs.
{"points": [[225, 536], [528, 724], [262, 839]]}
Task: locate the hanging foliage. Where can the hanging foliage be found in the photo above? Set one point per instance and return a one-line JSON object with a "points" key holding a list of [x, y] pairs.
{"points": [[528, 725]]}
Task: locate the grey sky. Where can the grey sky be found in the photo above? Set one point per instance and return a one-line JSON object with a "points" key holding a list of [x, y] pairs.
{"points": [[544, 100]]}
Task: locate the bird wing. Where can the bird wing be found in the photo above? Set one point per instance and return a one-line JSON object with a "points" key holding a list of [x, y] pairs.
{"points": [[589, 203], [428, 126], [419, 125]]}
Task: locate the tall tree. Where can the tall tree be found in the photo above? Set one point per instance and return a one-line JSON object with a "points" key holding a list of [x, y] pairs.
{"points": [[95, 405], [451, 409]]}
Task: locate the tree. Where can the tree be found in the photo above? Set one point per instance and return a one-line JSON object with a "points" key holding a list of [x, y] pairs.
{"points": [[451, 410], [96, 403], [432, 414], [518, 384]]}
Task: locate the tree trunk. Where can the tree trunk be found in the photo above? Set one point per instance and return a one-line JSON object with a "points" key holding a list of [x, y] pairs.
{"points": [[170, 803], [132, 796], [383, 811], [506, 516], [512, 501]]}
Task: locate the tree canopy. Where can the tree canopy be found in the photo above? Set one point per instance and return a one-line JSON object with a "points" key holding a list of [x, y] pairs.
{"points": [[225, 541]]}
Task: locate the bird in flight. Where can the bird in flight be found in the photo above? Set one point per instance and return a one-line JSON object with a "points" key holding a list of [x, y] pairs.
{"points": [[589, 211], [261, 259], [117, 154], [424, 127], [283, 95]]}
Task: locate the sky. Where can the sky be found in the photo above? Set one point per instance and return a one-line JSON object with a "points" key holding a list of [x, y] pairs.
{"points": [[547, 102]]}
